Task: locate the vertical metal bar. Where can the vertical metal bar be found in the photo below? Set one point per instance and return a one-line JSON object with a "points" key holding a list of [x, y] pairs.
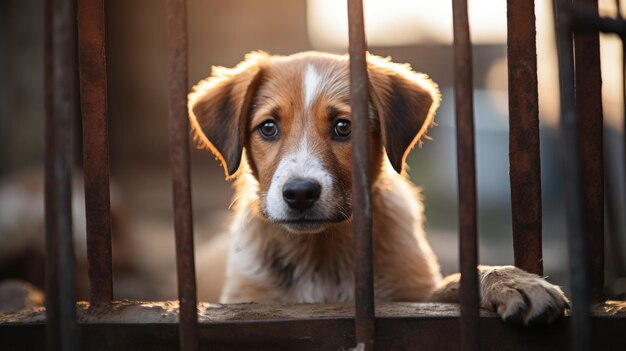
{"points": [[618, 5], [179, 159], [464, 105], [588, 89], [93, 89], [62, 329], [77, 134], [53, 325], [524, 157], [575, 206], [611, 196], [616, 253], [361, 179], [612, 203]]}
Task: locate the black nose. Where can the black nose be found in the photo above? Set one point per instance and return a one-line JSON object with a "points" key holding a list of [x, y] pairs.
{"points": [[301, 194]]}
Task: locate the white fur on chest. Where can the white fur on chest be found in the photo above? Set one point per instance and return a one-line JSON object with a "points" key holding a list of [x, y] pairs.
{"points": [[318, 287], [299, 276]]}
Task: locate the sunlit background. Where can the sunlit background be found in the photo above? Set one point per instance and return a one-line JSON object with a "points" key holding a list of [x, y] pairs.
{"points": [[221, 32]]}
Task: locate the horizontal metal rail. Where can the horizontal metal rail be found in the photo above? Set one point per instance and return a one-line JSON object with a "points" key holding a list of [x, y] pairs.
{"points": [[399, 326]]}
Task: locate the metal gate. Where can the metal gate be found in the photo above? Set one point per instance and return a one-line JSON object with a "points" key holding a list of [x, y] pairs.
{"points": [[431, 326]]}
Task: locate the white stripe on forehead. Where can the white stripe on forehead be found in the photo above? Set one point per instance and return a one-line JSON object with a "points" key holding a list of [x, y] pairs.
{"points": [[312, 85]]}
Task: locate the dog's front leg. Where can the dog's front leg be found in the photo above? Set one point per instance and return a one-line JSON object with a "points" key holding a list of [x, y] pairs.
{"points": [[517, 296]]}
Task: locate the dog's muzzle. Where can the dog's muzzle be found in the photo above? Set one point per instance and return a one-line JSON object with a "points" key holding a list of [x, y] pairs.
{"points": [[301, 194]]}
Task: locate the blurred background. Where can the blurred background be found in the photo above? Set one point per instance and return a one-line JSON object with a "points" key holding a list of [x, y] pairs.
{"points": [[220, 33]]}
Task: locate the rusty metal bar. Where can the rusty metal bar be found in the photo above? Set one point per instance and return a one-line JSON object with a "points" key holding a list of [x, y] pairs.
{"points": [[572, 168], [62, 329], [361, 179], [181, 184], [53, 325], [611, 196], [93, 93], [622, 36], [614, 247], [464, 105], [588, 89], [524, 157]]}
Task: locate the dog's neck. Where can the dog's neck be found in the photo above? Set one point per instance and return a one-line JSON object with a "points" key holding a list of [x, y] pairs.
{"points": [[306, 267]]}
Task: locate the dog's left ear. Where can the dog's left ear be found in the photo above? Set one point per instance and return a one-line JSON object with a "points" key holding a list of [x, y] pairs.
{"points": [[405, 102]]}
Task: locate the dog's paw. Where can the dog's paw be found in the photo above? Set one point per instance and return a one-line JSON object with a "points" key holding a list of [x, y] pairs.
{"points": [[520, 297]]}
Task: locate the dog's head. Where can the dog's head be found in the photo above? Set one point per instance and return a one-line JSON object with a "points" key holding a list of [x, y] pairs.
{"points": [[291, 116]]}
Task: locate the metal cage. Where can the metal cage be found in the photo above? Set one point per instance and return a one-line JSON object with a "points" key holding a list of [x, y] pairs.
{"points": [[69, 326]]}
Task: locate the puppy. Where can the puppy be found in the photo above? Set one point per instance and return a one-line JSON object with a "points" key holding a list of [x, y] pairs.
{"points": [[280, 126]]}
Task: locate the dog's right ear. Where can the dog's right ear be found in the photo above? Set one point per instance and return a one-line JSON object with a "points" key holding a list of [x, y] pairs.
{"points": [[405, 102], [219, 106]]}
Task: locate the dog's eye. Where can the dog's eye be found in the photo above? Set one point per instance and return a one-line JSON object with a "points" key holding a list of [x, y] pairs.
{"points": [[268, 130], [342, 129]]}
